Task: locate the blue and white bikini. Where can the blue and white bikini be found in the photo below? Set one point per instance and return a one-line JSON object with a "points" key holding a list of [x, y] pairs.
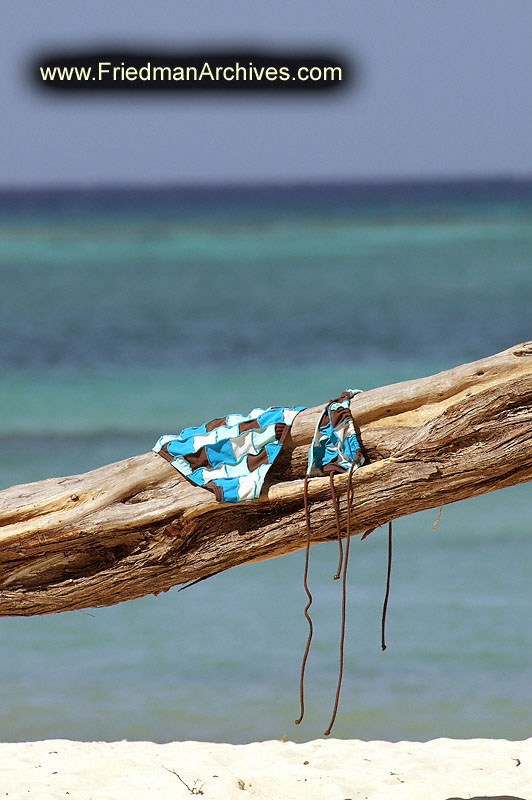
{"points": [[230, 456]]}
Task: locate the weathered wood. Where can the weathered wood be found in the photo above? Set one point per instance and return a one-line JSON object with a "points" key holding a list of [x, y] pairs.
{"points": [[137, 527]]}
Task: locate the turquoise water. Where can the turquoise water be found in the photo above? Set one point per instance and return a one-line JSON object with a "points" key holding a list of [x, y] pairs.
{"points": [[125, 315]]}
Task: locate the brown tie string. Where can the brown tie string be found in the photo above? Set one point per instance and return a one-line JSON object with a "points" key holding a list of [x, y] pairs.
{"points": [[305, 576], [344, 598], [387, 595], [334, 499], [341, 417]]}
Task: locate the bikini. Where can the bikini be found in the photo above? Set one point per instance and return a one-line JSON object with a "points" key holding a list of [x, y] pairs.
{"points": [[230, 456]]}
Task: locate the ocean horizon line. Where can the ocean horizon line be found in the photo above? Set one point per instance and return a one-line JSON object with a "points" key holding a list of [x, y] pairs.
{"points": [[384, 185]]}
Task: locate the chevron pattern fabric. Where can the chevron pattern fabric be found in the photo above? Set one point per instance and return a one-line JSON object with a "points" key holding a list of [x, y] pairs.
{"points": [[335, 445], [230, 455]]}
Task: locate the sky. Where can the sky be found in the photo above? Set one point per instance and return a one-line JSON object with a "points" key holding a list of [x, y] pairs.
{"points": [[444, 91]]}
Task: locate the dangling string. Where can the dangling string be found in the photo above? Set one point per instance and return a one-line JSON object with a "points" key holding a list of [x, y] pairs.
{"points": [[315, 462], [387, 595], [338, 529], [305, 575], [344, 598]]}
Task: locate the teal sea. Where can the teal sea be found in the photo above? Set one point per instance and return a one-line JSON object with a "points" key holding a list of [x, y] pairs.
{"points": [[126, 314]]}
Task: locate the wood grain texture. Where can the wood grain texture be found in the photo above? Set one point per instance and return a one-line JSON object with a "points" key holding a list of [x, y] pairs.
{"points": [[137, 527]]}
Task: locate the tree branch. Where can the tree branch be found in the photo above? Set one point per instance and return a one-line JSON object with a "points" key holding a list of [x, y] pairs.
{"points": [[137, 527]]}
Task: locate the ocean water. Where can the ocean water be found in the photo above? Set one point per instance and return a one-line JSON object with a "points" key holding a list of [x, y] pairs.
{"points": [[127, 314]]}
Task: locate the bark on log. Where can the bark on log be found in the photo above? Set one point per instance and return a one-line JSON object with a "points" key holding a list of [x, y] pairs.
{"points": [[137, 527]]}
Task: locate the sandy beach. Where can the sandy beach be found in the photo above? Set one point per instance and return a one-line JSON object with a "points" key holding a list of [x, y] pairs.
{"points": [[332, 769]]}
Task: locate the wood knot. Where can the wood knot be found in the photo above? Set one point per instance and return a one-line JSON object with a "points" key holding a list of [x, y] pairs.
{"points": [[524, 350]]}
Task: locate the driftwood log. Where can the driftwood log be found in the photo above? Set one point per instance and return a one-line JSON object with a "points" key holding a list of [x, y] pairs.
{"points": [[137, 527]]}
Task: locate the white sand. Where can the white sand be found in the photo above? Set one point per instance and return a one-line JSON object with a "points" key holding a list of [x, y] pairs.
{"points": [[331, 769]]}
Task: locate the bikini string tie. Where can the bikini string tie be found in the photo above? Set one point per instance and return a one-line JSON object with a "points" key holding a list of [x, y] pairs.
{"points": [[387, 595], [309, 603], [344, 598]]}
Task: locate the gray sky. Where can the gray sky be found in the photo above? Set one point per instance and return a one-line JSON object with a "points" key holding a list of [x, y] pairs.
{"points": [[446, 91]]}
